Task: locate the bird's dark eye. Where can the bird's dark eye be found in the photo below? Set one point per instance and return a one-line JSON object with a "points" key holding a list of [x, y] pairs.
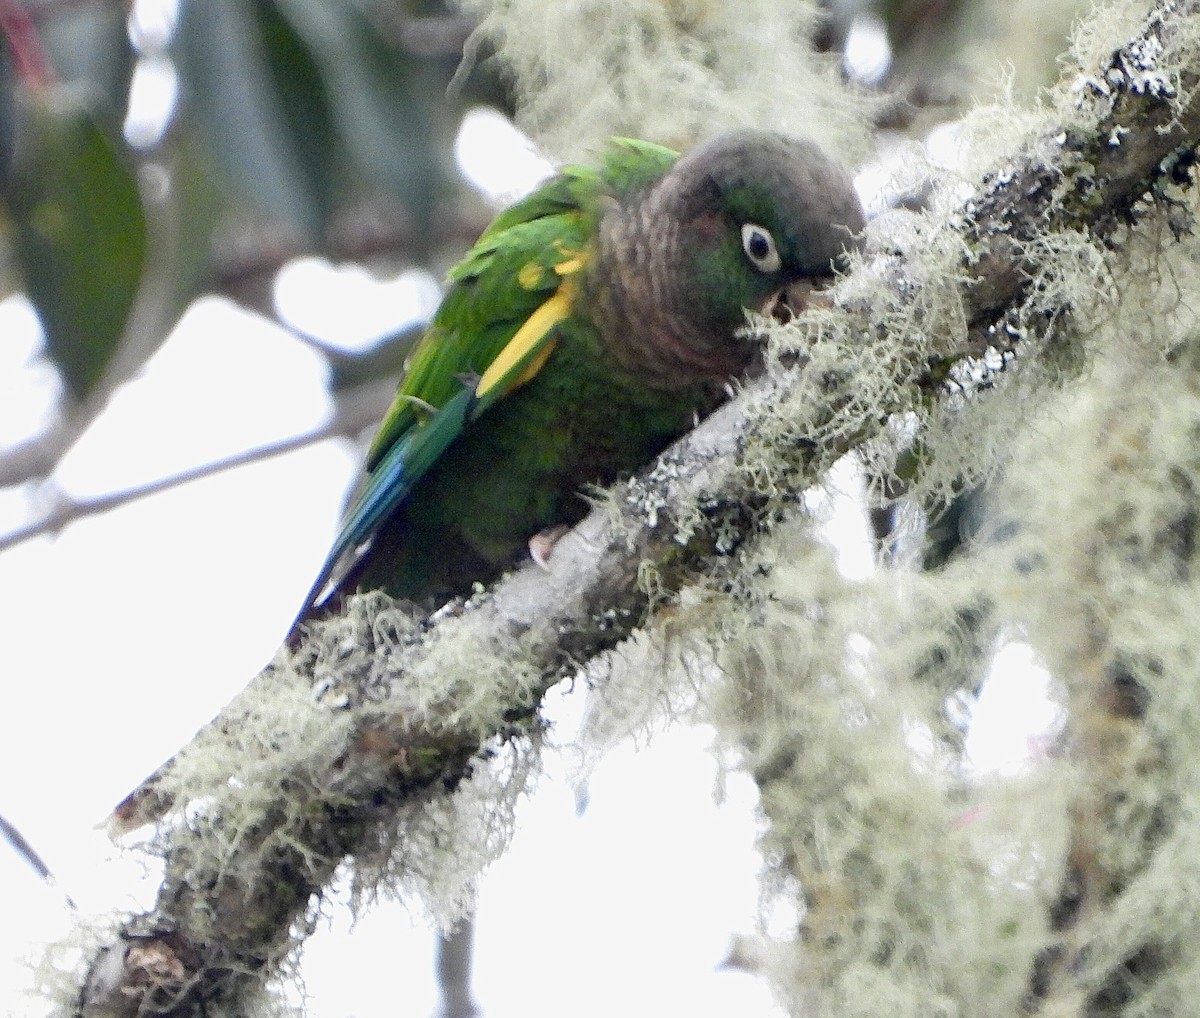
{"points": [[759, 246]]}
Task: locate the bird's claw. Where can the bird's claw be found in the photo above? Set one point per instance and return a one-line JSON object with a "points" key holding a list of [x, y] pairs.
{"points": [[542, 544]]}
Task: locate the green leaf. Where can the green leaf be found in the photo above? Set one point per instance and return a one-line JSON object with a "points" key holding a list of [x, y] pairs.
{"points": [[188, 218], [252, 83], [8, 111], [394, 119], [80, 232]]}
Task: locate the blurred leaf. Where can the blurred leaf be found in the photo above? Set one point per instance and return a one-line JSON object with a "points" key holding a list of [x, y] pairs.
{"points": [[8, 111], [303, 101], [182, 206], [190, 214], [80, 232], [254, 86], [392, 111], [88, 45]]}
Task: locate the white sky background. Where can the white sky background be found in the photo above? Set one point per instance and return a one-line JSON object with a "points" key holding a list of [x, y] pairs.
{"points": [[128, 631]]}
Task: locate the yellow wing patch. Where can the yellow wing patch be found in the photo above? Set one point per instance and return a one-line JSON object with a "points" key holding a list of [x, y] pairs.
{"points": [[534, 330], [530, 275], [534, 366], [571, 265], [525, 341]]}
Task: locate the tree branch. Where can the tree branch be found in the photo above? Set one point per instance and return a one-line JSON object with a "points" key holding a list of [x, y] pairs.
{"points": [[356, 411], [385, 711], [20, 844]]}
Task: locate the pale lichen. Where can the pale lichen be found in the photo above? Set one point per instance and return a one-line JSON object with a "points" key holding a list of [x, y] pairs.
{"points": [[585, 70], [905, 877], [1106, 502], [345, 745], [917, 892]]}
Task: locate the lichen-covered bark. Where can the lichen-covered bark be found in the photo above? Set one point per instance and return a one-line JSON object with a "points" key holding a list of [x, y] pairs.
{"points": [[345, 746]]}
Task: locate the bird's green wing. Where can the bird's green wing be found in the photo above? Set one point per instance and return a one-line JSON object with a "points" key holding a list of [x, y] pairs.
{"points": [[512, 286], [523, 259], [494, 330]]}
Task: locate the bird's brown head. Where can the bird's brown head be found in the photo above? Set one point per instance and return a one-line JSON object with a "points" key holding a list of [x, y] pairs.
{"points": [[734, 221]]}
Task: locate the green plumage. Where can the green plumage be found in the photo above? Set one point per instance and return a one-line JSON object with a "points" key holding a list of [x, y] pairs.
{"points": [[582, 333]]}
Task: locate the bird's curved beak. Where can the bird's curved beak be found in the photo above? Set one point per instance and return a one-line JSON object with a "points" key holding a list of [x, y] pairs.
{"points": [[789, 300]]}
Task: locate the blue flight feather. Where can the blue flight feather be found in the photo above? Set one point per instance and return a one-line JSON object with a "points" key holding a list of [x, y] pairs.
{"points": [[388, 485]]}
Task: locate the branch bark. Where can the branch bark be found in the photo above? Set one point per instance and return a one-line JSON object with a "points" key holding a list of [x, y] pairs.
{"points": [[223, 920]]}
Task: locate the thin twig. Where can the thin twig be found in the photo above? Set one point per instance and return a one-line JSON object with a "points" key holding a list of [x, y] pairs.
{"points": [[354, 416], [20, 844]]}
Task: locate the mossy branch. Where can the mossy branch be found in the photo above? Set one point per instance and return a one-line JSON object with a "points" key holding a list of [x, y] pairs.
{"points": [[345, 746]]}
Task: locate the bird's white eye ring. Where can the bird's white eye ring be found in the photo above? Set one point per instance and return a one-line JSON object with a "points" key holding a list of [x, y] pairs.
{"points": [[760, 248]]}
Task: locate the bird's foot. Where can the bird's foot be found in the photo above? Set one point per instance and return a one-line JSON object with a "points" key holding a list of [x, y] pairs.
{"points": [[542, 544]]}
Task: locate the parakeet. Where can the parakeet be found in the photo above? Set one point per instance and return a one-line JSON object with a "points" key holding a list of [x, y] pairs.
{"points": [[585, 330]]}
